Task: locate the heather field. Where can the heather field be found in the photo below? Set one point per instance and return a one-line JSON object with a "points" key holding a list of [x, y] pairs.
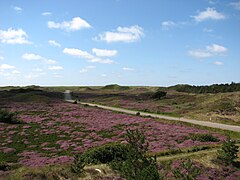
{"points": [[215, 107], [53, 131]]}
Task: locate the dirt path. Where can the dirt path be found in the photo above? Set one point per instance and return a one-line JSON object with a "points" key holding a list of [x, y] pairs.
{"points": [[193, 121]]}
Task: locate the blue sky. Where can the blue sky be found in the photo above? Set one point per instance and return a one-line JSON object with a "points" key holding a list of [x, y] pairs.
{"points": [[128, 42]]}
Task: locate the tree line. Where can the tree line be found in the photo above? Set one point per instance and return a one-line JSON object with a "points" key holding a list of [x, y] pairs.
{"points": [[215, 88]]}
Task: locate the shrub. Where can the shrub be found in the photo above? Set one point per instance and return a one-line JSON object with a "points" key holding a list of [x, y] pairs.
{"points": [[4, 166], [204, 138], [9, 117], [228, 152], [138, 165], [106, 153], [138, 114], [159, 94]]}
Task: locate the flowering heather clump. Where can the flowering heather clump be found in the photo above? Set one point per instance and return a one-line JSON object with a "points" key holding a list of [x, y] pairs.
{"points": [[188, 169], [54, 131]]}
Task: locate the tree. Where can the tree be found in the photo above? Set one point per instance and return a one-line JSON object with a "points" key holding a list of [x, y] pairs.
{"points": [[138, 164]]}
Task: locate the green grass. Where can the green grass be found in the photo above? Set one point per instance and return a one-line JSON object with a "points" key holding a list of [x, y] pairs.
{"points": [[106, 134]]}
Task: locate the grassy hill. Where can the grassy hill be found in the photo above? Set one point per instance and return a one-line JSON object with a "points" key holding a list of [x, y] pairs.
{"points": [[216, 107]]}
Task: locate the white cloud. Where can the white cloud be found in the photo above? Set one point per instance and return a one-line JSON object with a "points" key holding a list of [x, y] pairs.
{"points": [[212, 1], [86, 69], [2, 58], [103, 75], [208, 30], [54, 68], [199, 54], [209, 14], [32, 76], [218, 63], [78, 52], [57, 76], [37, 70], [46, 13], [209, 51], [31, 56], [75, 24], [6, 66], [122, 34], [85, 55], [12, 36], [50, 61], [215, 48], [104, 52], [166, 25], [128, 69], [16, 72], [36, 57], [54, 43], [236, 5], [102, 61], [17, 9]]}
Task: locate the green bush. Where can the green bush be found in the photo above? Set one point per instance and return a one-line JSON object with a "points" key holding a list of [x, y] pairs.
{"points": [[203, 138], [228, 152], [138, 165], [105, 154], [9, 117], [159, 94]]}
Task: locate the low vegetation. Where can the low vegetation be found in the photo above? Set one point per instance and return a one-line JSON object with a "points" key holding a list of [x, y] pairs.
{"points": [[159, 94], [54, 131], [222, 106], [203, 138], [130, 160], [9, 117], [187, 170], [228, 153], [106, 153]]}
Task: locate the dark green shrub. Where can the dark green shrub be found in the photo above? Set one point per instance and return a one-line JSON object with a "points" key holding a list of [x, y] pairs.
{"points": [[105, 154], [228, 152], [138, 165], [4, 166], [138, 113], [203, 138], [9, 117], [159, 94]]}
